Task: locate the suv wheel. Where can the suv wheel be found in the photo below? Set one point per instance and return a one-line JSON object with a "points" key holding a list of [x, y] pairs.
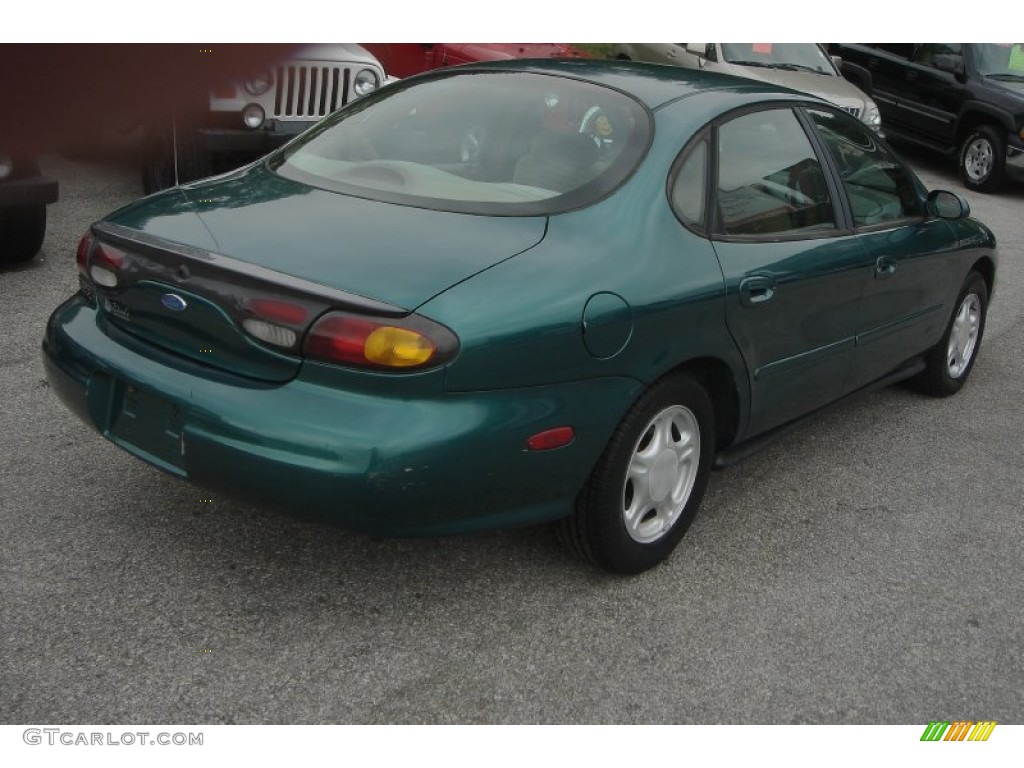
{"points": [[983, 159], [22, 230]]}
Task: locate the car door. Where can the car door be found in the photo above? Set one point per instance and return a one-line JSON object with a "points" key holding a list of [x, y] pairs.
{"points": [[901, 312], [887, 63], [932, 96], [794, 273]]}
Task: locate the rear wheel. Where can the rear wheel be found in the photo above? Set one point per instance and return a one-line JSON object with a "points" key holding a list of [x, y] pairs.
{"points": [[949, 362], [983, 159], [646, 488], [22, 231]]}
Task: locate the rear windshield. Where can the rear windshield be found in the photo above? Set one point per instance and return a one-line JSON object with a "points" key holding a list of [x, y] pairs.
{"points": [[499, 143]]}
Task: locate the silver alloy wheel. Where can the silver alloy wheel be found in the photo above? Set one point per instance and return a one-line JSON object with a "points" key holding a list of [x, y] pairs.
{"points": [[963, 336], [979, 159], [661, 474]]}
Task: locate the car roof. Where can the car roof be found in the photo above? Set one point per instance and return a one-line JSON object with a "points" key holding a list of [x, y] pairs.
{"points": [[653, 84]]}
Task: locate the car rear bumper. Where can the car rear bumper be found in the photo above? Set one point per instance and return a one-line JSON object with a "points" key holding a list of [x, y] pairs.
{"points": [[372, 461], [38, 190]]}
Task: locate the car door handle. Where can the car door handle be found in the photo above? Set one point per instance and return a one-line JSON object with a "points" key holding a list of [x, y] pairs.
{"points": [[756, 290], [911, 76], [885, 266]]}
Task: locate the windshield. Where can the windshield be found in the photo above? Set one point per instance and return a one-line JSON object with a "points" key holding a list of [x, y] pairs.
{"points": [[799, 56], [506, 143], [1000, 60]]}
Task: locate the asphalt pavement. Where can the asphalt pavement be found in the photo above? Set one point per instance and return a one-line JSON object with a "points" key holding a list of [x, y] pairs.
{"points": [[865, 569]]}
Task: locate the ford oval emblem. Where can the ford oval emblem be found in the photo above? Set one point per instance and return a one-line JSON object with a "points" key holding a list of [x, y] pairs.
{"points": [[173, 302]]}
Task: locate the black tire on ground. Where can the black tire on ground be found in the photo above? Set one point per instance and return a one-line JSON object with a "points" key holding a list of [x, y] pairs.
{"points": [[950, 362], [982, 158], [22, 230], [158, 158], [647, 486]]}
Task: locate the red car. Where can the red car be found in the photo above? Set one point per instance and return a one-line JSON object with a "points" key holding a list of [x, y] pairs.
{"points": [[405, 59]]}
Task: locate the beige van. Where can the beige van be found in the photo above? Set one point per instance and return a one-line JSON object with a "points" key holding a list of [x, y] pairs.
{"points": [[801, 66]]}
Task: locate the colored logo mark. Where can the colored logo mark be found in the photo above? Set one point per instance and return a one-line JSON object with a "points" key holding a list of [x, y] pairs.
{"points": [[173, 302], [958, 730]]}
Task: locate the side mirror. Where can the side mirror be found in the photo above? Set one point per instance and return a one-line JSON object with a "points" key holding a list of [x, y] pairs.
{"points": [[947, 205], [697, 49], [858, 75], [949, 62], [837, 62]]}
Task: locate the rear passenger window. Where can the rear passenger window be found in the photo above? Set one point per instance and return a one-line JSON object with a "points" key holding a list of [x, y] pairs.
{"points": [[879, 189], [769, 180]]}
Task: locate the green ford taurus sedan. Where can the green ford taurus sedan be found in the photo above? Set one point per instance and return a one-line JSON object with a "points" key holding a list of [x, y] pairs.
{"points": [[520, 292]]}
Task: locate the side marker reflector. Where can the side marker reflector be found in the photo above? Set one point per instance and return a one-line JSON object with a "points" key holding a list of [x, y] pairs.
{"points": [[551, 438]]}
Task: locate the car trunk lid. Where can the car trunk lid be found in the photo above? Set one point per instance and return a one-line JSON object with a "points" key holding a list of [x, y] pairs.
{"points": [[258, 266]]}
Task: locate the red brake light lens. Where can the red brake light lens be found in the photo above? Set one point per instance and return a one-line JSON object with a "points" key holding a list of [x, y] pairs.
{"points": [[82, 254], [108, 256], [278, 311]]}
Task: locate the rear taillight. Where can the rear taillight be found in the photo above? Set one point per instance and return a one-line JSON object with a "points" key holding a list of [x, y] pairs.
{"points": [[275, 321], [82, 254], [105, 263], [99, 262], [409, 343]]}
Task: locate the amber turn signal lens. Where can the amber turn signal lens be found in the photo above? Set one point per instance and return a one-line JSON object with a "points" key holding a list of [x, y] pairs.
{"points": [[397, 347]]}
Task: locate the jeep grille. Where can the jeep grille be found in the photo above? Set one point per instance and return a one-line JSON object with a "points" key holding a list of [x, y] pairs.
{"points": [[855, 111], [309, 91]]}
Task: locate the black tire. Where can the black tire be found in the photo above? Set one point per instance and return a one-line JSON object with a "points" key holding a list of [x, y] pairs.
{"points": [[948, 366], [983, 158], [22, 230], [597, 529], [158, 158], [622, 57]]}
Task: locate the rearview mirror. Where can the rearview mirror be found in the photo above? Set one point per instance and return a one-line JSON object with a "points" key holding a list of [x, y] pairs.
{"points": [[947, 205]]}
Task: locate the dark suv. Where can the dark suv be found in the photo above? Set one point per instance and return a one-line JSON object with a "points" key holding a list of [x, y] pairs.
{"points": [[961, 98]]}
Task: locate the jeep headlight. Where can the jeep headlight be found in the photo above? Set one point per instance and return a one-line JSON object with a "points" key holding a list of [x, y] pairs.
{"points": [[365, 81], [872, 117], [259, 84]]}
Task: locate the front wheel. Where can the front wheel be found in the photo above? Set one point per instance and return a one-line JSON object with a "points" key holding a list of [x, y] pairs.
{"points": [[949, 363], [983, 159], [646, 488]]}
